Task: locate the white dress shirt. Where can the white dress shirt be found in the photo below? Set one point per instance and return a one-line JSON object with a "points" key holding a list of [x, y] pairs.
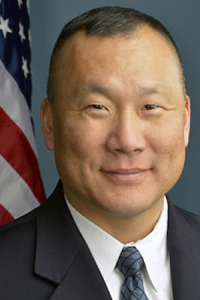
{"points": [[106, 250]]}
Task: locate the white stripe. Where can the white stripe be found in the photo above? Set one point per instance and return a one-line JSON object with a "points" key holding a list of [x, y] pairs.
{"points": [[15, 194], [14, 104]]}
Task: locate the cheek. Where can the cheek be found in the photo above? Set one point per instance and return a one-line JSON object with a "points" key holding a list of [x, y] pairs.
{"points": [[69, 152], [168, 135], [78, 142], [78, 152], [168, 147]]}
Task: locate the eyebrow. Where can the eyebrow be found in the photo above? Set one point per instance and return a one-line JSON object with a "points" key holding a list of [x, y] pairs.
{"points": [[98, 89], [158, 89], [149, 91], [93, 87]]}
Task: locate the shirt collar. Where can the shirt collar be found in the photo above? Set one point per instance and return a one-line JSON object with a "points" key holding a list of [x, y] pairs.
{"points": [[106, 249]]}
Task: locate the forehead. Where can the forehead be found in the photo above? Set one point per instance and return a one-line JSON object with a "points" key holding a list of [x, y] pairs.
{"points": [[80, 43], [86, 57]]}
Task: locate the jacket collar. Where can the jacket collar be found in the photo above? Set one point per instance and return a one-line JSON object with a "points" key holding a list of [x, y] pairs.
{"points": [[61, 253], [184, 245]]}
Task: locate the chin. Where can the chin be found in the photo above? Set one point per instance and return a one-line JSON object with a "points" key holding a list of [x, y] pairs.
{"points": [[123, 209]]}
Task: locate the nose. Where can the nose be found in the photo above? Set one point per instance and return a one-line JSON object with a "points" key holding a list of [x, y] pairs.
{"points": [[127, 134]]}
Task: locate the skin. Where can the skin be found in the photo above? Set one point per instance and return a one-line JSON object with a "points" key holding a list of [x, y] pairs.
{"points": [[119, 126]]}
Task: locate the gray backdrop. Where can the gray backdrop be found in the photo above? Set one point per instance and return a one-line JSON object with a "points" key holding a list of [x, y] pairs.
{"points": [[181, 17]]}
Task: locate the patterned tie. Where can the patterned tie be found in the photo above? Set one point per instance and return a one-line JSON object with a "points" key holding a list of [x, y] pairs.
{"points": [[130, 264]]}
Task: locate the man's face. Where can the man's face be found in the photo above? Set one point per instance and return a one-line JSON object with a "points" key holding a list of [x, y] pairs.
{"points": [[119, 125]]}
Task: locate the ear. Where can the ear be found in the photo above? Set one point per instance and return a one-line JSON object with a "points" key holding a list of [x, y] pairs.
{"points": [[46, 115], [187, 120]]}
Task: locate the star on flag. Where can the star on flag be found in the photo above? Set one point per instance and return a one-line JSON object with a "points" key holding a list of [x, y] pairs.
{"points": [[25, 67], [21, 32], [19, 3], [28, 6], [4, 26]]}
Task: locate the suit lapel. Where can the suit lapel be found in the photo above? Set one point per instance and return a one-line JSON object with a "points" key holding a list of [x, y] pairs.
{"points": [[184, 247], [61, 254], [82, 281]]}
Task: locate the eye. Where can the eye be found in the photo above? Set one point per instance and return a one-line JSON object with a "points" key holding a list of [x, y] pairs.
{"points": [[149, 107], [97, 106], [97, 110]]}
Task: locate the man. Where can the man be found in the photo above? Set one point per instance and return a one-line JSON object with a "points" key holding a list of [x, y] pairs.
{"points": [[117, 117]]}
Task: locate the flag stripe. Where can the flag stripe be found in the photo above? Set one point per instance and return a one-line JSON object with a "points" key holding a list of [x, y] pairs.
{"points": [[21, 187], [5, 216], [16, 195], [14, 104], [23, 159]]}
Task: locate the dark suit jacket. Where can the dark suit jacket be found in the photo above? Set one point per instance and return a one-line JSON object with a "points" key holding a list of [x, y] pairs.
{"points": [[44, 257]]}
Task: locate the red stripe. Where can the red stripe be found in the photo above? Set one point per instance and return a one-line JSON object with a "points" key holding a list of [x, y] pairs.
{"points": [[15, 148], [5, 216]]}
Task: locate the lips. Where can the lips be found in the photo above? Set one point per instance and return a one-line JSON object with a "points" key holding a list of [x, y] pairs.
{"points": [[126, 174], [126, 171]]}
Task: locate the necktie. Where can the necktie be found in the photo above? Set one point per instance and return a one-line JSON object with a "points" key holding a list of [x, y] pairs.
{"points": [[130, 264]]}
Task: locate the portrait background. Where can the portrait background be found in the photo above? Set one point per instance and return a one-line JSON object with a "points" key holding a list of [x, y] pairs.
{"points": [[181, 17]]}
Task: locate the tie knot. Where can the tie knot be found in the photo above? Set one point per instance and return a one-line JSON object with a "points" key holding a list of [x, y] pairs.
{"points": [[130, 262]]}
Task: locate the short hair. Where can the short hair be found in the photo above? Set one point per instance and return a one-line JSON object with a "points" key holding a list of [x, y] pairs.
{"points": [[107, 21]]}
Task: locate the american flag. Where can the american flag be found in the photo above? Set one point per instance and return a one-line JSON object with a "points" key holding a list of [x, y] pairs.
{"points": [[21, 188]]}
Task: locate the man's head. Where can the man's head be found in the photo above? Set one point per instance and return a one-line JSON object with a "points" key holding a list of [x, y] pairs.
{"points": [[118, 123]]}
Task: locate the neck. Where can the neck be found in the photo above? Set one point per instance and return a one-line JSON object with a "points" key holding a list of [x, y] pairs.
{"points": [[124, 229], [131, 229]]}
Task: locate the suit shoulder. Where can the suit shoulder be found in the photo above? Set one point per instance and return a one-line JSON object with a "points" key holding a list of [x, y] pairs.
{"points": [[18, 231], [192, 219], [30, 216]]}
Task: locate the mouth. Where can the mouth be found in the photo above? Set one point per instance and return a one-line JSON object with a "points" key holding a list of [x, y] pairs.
{"points": [[126, 174]]}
